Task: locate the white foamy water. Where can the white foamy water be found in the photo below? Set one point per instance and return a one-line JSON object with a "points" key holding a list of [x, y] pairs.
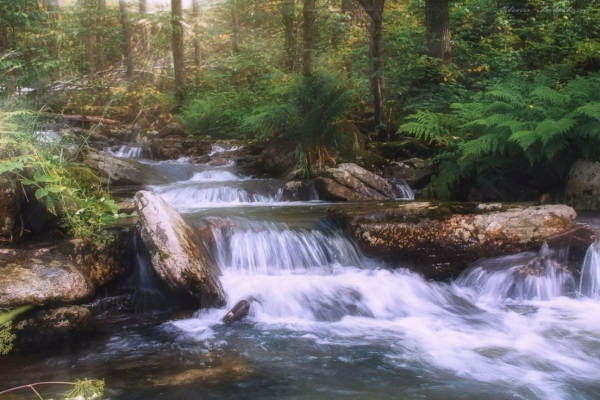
{"points": [[589, 284], [511, 321], [223, 149], [127, 151], [213, 175]]}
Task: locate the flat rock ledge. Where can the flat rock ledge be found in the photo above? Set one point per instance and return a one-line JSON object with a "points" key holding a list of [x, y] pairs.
{"points": [[440, 239], [178, 258]]}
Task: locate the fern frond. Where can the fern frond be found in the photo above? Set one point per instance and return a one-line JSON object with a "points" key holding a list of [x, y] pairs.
{"points": [[546, 94], [589, 110]]}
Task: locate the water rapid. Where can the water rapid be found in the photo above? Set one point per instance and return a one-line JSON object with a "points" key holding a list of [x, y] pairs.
{"points": [[326, 322]]}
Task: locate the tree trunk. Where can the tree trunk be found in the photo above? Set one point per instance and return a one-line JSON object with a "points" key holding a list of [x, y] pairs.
{"points": [[288, 10], [177, 48], [235, 37], [146, 28], [310, 15], [197, 42], [375, 10], [88, 45], [99, 34], [437, 21], [128, 50]]}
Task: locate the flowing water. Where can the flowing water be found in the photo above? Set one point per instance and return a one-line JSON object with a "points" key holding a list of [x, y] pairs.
{"points": [[328, 323]]}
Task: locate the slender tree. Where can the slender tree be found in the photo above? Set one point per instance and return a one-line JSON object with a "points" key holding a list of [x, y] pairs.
{"points": [[310, 16], [100, 18], [177, 49], [437, 21], [145, 29], [197, 42], [288, 10], [128, 50], [374, 8], [235, 36]]}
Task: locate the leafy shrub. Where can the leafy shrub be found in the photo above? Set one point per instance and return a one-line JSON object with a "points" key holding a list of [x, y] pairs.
{"points": [[313, 115], [544, 122], [44, 167]]}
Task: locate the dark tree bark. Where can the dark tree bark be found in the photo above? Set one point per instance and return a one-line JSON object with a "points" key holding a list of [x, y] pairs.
{"points": [[288, 10], [437, 21], [99, 34], [143, 5], [128, 50], [177, 48], [374, 8], [197, 42], [310, 16]]}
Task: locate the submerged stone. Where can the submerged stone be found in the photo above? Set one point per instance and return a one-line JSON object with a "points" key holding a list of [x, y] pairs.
{"points": [[238, 312]]}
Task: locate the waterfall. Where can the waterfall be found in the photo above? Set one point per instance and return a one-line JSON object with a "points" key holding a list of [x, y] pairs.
{"points": [[523, 276], [216, 149], [210, 193], [589, 284], [127, 151], [148, 295], [402, 190], [274, 248]]}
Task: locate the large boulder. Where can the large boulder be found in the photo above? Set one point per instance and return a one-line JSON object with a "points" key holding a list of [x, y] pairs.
{"points": [[60, 273], [278, 158], [46, 326], [441, 238], [583, 186], [174, 147], [9, 204], [177, 256], [114, 171], [350, 182]]}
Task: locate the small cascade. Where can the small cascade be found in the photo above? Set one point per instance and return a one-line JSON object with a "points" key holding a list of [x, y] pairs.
{"points": [[128, 151], [402, 190], [523, 276], [213, 175], [148, 295], [199, 194], [589, 284], [274, 248], [216, 149]]}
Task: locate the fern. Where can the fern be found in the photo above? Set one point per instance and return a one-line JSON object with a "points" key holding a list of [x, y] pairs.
{"points": [[555, 116]]}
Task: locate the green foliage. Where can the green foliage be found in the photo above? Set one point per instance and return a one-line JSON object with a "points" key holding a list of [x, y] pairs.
{"points": [[538, 120], [6, 337], [86, 389], [313, 115], [52, 175]]}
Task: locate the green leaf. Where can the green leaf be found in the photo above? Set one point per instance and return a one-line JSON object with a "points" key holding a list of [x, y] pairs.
{"points": [[50, 205], [46, 178], [40, 193]]}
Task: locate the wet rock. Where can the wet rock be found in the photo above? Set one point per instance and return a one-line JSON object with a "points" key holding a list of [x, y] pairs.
{"points": [[414, 171], [350, 182], [575, 240], [41, 277], [47, 326], [114, 171], [61, 272], [442, 238], [298, 190], [583, 186], [172, 148], [277, 158], [180, 261], [238, 312], [9, 204], [172, 129]]}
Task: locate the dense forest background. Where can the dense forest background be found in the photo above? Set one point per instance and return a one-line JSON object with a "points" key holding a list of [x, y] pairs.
{"points": [[498, 98]]}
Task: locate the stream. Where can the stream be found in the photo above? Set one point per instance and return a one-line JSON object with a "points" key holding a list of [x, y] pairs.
{"points": [[327, 322]]}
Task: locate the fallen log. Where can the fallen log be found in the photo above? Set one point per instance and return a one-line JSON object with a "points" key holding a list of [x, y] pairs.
{"points": [[94, 120]]}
